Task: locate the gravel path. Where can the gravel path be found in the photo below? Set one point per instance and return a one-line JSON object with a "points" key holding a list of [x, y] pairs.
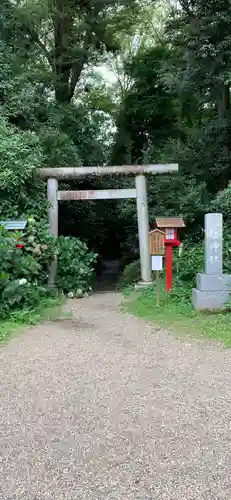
{"points": [[105, 406]]}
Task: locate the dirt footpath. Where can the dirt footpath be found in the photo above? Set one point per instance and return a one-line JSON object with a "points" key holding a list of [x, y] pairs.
{"points": [[105, 406]]}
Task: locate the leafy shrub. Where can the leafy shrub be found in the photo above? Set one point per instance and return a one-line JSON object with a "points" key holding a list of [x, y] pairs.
{"points": [[39, 250], [8, 255], [23, 274], [227, 250], [20, 294], [185, 266], [130, 274], [75, 266], [189, 263], [20, 157], [222, 203]]}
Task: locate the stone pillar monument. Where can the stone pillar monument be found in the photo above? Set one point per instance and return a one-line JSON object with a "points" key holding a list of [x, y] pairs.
{"points": [[213, 287]]}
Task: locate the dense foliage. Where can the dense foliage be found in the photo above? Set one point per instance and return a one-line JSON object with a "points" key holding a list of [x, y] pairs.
{"points": [[168, 101], [24, 271], [75, 267], [23, 276], [180, 87], [130, 274]]}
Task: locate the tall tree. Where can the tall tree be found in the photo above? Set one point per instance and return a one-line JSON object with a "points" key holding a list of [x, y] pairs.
{"points": [[68, 34], [147, 116], [201, 32]]}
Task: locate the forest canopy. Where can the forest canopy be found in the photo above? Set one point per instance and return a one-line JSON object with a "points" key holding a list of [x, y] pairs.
{"points": [[95, 82]]}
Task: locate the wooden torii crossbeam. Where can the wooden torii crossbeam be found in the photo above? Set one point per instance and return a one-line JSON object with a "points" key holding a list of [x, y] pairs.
{"points": [[53, 175]]}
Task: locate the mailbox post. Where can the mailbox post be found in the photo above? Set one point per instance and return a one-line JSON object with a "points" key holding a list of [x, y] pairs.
{"points": [[170, 227]]}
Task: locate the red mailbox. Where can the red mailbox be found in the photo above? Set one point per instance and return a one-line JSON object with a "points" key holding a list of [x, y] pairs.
{"points": [[171, 227]]}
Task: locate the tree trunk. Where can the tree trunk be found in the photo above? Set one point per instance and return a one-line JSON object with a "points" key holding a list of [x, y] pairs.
{"points": [[67, 66], [223, 104], [63, 25]]}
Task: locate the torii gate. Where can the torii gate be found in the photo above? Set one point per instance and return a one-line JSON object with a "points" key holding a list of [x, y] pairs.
{"points": [[53, 175]]}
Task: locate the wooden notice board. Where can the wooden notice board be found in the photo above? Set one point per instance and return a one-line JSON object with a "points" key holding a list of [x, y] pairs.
{"points": [[156, 242]]}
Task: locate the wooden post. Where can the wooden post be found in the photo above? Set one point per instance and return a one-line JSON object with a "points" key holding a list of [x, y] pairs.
{"points": [[52, 189], [168, 268], [157, 288]]}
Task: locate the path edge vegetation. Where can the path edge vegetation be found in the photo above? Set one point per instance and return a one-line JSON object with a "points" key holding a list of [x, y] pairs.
{"points": [[25, 297], [176, 314], [49, 310]]}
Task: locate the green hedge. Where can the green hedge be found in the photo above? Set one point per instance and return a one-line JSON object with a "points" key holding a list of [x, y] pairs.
{"points": [[130, 274], [75, 266], [24, 272]]}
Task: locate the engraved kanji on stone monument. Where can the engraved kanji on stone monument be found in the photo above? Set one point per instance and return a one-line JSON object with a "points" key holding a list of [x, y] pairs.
{"points": [[213, 287], [213, 244]]}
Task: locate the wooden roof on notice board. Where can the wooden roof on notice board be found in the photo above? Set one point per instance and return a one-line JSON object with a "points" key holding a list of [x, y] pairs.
{"points": [[172, 222]]}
